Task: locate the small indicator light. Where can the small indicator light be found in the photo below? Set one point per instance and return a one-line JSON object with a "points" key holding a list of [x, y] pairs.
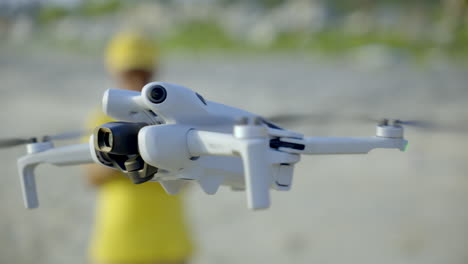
{"points": [[406, 147]]}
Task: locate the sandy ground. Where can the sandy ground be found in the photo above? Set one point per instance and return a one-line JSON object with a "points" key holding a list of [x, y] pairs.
{"points": [[386, 207]]}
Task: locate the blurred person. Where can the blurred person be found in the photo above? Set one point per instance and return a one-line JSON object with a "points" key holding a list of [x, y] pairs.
{"points": [[134, 223]]}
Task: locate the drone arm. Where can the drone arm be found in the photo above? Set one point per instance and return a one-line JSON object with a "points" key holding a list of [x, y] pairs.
{"points": [[204, 143], [252, 150], [344, 145], [66, 155], [61, 156]]}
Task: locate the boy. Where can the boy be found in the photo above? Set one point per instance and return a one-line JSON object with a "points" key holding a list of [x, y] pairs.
{"points": [[134, 223]]}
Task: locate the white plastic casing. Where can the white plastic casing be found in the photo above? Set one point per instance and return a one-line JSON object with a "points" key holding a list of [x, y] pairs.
{"points": [[164, 146], [181, 104], [39, 147], [125, 105], [390, 131]]}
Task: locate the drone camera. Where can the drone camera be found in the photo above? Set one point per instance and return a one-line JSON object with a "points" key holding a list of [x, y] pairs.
{"points": [[116, 145], [157, 94], [120, 138], [104, 139]]}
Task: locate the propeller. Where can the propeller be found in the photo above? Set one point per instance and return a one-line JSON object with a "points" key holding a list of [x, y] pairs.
{"points": [[66, 135], [432, 126], [416, 123], [286, 119], [427, 125], [13, 142], [423, 124]]}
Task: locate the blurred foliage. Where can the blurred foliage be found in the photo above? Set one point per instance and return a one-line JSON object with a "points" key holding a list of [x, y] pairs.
{"points": [[98, 8], [262, 3], [52, 13], [199, 36], [346, 25], [89, 8], [203, 36]]}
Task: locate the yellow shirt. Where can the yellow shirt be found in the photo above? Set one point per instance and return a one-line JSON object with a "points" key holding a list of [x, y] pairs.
{"points": [[137, 223]]}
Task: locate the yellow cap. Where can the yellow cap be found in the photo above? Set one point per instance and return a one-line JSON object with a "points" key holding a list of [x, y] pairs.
{"points": [[131, 51]]}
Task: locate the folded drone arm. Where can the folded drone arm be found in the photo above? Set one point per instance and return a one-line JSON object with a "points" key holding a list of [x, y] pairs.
{"points": [[60, 156], [256, 159], [173, 147], [205, 143], [342, 145], [254, 154]]}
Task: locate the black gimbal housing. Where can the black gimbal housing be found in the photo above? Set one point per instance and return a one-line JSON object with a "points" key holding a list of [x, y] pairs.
{"points": [[116, 145]]}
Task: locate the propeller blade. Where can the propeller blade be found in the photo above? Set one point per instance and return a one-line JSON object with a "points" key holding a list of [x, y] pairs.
{"points": [[13, 142], [366, 119], [67, 135], [419, 124], [294, 119], [434, 126], [286, 119]]}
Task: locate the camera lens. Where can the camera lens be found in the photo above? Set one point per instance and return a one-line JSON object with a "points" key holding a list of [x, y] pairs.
{"points": [[108, 139], [157, 94], [118, 138], [104, 139]]}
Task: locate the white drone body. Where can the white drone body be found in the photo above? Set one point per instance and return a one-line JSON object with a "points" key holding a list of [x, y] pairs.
{"points": [[184, 137]]}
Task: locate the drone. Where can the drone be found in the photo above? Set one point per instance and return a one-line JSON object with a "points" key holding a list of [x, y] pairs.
{"points": [[172, 135]]}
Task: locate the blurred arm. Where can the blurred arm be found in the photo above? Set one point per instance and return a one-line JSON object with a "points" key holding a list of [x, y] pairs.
{"points": [[97, 175]]}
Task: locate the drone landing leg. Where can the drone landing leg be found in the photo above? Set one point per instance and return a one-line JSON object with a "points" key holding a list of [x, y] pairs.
{"points": [[61, 156]]}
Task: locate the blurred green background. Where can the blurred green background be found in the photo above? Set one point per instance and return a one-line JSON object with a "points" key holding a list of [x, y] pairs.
{"points": [[418, 28]]}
